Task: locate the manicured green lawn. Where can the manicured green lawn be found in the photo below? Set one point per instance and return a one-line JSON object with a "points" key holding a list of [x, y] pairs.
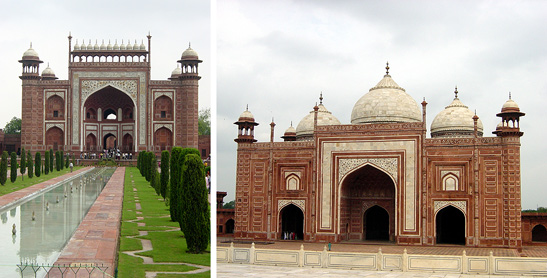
{"points": [[20, 184], [168, 242]]}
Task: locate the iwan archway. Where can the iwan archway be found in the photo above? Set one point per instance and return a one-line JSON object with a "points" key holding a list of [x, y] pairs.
{"points": [[291, 220], [450, 226], [367, 205], [109, 113]]}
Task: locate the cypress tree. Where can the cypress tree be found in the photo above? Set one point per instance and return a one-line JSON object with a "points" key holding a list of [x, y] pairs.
{"points": [[195, 206], [46, 163], [13, 172], [139, 162], [154, 175], [23, 163], [57, 161], [51, 165], [183, 191], [164, 173], [30, 164], [38, 164], [4, 168], [175, 182], [62, 156]]}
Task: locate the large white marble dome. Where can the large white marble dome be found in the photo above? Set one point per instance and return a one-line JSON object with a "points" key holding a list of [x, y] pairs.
{"points": [[304, 129], [387, 102], [456, 120]]}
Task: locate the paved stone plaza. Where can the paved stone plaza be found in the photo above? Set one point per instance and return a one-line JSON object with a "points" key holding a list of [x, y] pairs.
{"points": [[243, 270]]}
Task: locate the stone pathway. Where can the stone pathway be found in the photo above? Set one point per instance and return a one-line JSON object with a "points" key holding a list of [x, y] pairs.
{"points": [[147, 245]]}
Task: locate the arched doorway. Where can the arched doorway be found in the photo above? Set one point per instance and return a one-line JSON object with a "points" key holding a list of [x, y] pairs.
{"points": [[54, 138], [450, 224], [163, 138], [292, 221], [91, 142], [230, 226], [127, 143], [539, 233], [376, 226], [110, 141], [367, 196]]}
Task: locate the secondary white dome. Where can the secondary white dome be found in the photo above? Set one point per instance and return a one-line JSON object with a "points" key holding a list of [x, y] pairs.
{"points": [[386, 103], [456, 120], [304, 129], [189, 52]]}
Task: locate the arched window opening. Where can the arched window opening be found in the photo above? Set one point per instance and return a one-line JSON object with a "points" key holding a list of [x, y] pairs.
{"points": [[109, 114], [230, 224], [292, 182]]}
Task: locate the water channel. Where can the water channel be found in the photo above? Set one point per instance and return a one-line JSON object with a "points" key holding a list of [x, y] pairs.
{"points": [[44, 223]]}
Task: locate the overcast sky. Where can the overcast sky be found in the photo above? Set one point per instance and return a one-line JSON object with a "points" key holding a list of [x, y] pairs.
{"points": [[277, 56], [172, 24]]}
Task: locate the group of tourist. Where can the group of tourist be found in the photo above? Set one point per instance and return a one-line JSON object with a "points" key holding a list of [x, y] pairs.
{"points": [[110, 153]]}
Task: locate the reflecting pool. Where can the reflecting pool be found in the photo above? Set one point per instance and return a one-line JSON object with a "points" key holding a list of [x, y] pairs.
{"points": [[44, 223]]}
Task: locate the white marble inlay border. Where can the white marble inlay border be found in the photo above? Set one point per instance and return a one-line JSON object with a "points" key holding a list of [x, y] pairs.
{"points": [[462, 205], [299, 203], [346, 165]]}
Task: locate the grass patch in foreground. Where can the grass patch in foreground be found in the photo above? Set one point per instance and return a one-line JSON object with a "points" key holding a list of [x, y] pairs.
{"points": [[171, 247], [19, 184], [196, 275], [167, 246]]}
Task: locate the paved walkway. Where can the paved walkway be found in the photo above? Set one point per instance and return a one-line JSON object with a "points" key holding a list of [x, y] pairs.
{"points": [[368, 247], [13, 197], [244, 270], [96, 239]]}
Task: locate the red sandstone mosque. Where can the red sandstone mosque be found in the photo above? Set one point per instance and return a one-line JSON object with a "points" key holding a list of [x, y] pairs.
{"points": [[382, 178], [109, 101]]}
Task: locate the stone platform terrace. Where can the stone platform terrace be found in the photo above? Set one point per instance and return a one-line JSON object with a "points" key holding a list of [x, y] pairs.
{"points": [[96, 240]]}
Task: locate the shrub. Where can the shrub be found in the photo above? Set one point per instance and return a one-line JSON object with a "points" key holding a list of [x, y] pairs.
{"points": [[57, 161], [23, 163], [62, 156], [13, 172], [46, 163], [67, 161], [38, 164], [195, 206], [30, 164], [51, 160], [4, 168], [164, 173]]}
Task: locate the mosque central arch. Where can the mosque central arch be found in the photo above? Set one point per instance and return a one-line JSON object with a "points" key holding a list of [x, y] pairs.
{"points": [[109, 113], [367, 205]]}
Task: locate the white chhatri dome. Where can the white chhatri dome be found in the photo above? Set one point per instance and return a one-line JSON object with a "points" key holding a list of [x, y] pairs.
{"points": [[48, 71], [304, 129], [246, 116], [177, 71], [30, 53], [456, 120], [189, 53], [386, 103]]}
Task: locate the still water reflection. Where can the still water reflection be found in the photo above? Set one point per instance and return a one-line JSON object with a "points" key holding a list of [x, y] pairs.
{"points": [[46, 222]]}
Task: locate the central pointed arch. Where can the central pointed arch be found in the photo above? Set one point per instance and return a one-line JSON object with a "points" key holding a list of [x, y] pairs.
{"points": [[291, 220], [450, 226], [366, 193]]}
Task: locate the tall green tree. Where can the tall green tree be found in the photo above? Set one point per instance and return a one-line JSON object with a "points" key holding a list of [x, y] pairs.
{"points": [[154, 172], [30, 165], [164, 179], [51, 165], [183, 191], [175, 182], [38, 165], [4, 168], [195, 206], [46, 163], [13, 173], [58, 161], [13, 126], [204, 122], [23, 163], [67, 160], [62, 157]]}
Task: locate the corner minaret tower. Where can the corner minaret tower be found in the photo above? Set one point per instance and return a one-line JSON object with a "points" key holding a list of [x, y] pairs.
{"points": [[509, 131]]}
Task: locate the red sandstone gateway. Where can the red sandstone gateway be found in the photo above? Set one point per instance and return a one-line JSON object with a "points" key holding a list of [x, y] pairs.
{"points": [[109, 101]]}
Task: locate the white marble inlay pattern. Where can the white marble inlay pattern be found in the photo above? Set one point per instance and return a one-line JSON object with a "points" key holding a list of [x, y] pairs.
{"points": [[163, 93], [168, 126], [345, 165], [299, 203], [59, 125], [91, 86], [55, 93], [462, 205]]}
